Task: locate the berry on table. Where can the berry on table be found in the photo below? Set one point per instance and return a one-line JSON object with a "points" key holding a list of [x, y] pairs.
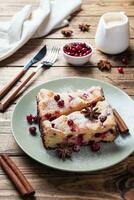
{"points": [[120, 70]]}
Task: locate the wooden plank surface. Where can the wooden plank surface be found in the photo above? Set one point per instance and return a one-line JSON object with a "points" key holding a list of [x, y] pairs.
{"points": [[50, 183], [29, 49], [93, 8]]}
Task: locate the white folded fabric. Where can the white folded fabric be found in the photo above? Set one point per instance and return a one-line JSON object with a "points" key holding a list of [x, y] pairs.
{"points": [[30, 23]]}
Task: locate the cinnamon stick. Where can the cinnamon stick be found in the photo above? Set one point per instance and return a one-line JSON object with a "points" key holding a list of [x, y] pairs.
{"points": [[6, 102], [120, 122], [16, 176], [129, 195]]}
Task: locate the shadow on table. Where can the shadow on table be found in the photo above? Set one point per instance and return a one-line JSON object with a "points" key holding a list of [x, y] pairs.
{"points": [[77, 185]]}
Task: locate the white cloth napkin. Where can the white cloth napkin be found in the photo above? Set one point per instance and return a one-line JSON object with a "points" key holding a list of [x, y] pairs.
{"points": [[29, 23]]}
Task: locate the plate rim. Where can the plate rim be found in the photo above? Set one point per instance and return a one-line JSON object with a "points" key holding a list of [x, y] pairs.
{"points": [[62, 168]]}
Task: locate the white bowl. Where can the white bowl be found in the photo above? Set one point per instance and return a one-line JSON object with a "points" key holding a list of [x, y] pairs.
{"points": [[75, 60]]}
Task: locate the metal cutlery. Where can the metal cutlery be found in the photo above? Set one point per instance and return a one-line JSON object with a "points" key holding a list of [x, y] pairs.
{"points": [[48, 62], [34, 60]]}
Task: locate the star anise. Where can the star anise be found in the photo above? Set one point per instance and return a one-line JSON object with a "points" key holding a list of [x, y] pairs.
{"points": [[64, 151], [84, 27], [91, 113], [67, 32], [104, 65]]}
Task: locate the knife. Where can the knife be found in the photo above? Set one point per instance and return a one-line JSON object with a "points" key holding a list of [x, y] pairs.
{"points": [[34, 60]]}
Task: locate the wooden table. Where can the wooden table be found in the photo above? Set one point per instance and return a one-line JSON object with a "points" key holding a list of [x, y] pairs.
{"points": [[49, 183]]}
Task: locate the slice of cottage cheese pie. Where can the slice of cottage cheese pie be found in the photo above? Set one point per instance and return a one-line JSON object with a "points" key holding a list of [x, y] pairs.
{"points": [[51, 105], [94, 123]]}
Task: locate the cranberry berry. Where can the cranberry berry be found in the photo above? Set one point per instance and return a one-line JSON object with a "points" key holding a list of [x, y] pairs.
{"points": [[71, 125], [35, 119], [52, 118], [48, 116], [53, 125], [32, 119], [61, 103], [120, 70], [70, 122], [57, 97], [29, 118], [73, 129], [77, 49], [32, 130]]}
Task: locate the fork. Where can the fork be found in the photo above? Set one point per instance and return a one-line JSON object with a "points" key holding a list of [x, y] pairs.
{"points": [[48, 62], [39, 55]]}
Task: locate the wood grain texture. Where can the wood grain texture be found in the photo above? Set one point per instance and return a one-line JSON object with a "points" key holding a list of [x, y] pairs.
{"points": [[52, 184], [74, 23], [124, 81], [31, 47], [95, 8]]}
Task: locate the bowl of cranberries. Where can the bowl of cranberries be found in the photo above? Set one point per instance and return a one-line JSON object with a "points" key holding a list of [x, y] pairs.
{"points": [[77, 53]]}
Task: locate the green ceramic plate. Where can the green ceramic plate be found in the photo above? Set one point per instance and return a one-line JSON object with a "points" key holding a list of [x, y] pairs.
{"points": [[85, 160]]}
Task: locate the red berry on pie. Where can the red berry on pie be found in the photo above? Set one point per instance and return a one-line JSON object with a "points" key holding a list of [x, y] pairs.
{"points": [[70, 122], [61, 104], [48, 116], [57, 97], [52, 118], [53, 125], [73, 129]]}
